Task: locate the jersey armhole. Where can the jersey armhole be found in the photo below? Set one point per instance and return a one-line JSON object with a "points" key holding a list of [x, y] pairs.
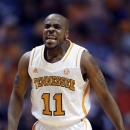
{"points": [[78, 57], [32, 56], [84, 77]]}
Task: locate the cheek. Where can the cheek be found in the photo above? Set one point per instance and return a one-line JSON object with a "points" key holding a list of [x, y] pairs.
{"points": [[62, 35], [44, 34], [62, 38]]}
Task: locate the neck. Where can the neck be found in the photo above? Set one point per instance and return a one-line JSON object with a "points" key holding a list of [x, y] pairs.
{"points": [[56, 53]]}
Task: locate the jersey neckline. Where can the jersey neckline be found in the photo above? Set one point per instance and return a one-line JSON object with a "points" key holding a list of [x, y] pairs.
{"points": [[63, 58]]}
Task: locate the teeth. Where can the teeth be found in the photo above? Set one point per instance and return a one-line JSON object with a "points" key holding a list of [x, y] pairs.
{"points": [[51, 37]]}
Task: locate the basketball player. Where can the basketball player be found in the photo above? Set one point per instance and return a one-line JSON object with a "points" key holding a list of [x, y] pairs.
{"points": [[61, 73]]}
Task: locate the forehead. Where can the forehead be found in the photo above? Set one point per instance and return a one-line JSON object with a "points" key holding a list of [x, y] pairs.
{"points": [[54, 20]]}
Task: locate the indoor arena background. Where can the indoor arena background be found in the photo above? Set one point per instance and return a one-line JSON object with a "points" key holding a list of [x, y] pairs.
{"points": [[101, 26]]}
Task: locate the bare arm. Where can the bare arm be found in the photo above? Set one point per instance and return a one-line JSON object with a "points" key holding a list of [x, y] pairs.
{"points": [[89, 65], [18, 92]]}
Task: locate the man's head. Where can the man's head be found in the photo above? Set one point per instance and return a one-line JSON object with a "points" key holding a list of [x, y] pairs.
{"points": [[56, 30]]}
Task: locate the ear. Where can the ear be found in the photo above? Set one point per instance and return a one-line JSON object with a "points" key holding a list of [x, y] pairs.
{"points": [[66, 34]]}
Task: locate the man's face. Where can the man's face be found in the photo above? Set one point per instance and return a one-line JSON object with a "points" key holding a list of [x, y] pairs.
{"points": [[54, 32]]}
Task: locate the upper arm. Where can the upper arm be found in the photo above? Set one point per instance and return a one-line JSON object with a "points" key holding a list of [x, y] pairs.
{"points": [[22, 76], [91, 68]]}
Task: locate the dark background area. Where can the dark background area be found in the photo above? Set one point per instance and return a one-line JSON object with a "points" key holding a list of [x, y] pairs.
{"points": [[101, 26]]}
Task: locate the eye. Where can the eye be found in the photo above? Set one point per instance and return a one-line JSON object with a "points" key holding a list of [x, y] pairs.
{"points": [[47, 26], [57, 26]]}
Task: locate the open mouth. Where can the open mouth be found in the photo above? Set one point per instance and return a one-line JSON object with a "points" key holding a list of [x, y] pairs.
{"points": [[51, 38]]}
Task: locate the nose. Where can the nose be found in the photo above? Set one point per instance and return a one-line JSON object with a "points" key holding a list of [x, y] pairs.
{"points": [[51, 29]]}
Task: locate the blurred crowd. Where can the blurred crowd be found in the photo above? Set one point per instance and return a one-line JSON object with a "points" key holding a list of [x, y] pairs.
{"points": [[101, 26]]}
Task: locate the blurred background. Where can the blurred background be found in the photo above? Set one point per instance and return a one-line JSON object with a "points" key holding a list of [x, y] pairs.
{"points": [[101, 26]]}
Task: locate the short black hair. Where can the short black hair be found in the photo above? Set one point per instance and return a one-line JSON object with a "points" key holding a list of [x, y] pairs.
{"points": [[65, 20]]}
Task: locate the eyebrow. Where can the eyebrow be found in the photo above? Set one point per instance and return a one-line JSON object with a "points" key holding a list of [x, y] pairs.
{"points": [[53, 24]]}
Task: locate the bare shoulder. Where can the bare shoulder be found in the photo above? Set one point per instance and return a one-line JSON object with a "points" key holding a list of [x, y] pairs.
{"points": [[90, 66], [25, 57], [24, 62], [88, 63], [22, 76]]}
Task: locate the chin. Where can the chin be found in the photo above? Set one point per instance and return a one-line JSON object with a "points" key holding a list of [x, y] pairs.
{"points": [[50, 47]]}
